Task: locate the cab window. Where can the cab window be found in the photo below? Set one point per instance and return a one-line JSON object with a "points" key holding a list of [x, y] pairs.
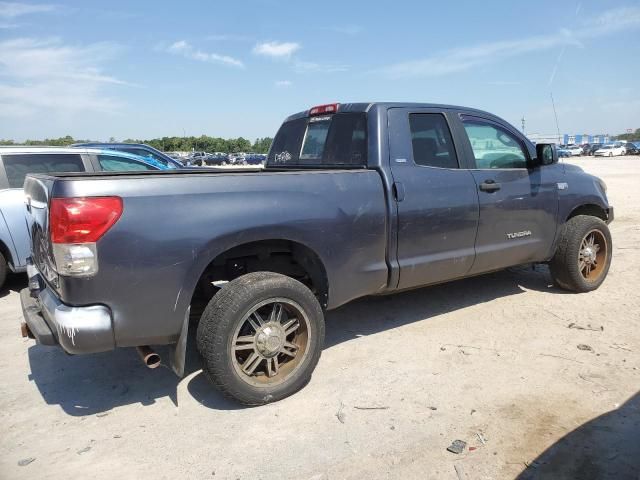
{"points": [[494, 147], [328, 140], [431, 141]]}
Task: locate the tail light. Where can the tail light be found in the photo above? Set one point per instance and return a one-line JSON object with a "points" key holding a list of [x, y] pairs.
{"points": [[324, 109], [75, 225]]}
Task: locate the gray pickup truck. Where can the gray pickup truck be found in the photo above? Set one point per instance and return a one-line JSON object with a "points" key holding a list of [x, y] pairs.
{"points": [[356, 199]]}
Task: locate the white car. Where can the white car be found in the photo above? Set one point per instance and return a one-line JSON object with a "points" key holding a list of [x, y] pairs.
{"points": [[611, 151], [574, 150]]}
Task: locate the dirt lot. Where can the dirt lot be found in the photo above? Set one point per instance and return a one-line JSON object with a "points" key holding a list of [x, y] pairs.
{"points": [[492, 357]]}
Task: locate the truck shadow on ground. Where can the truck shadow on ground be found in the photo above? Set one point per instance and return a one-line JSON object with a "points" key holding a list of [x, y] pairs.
{"points": [[606, 447], [91, 384]]}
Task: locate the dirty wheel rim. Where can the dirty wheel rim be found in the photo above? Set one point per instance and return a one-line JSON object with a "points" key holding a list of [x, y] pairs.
{"points": [[592, 256], [271, 342]]}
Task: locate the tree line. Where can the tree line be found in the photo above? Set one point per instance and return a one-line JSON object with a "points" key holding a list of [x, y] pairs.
{"points": [[171, 144], [630, 137]]}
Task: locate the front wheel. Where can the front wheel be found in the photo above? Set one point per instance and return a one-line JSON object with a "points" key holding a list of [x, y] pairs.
{"points": [[583, 256], [260, 337]]}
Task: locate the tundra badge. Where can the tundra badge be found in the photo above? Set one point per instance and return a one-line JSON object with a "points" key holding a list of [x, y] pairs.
{"points": [[525, 233]]}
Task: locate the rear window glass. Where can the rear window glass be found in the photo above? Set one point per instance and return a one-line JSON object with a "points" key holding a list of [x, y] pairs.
{"points": [[338, 140], [18, 166]]}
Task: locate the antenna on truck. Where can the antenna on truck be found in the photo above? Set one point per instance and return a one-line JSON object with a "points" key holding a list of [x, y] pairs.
{"points": [[553, 104]]}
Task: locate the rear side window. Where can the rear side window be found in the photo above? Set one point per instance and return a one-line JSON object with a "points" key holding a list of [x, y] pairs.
{"points": [[431, 141], [328, 140], [18, 166], [112, 163]]}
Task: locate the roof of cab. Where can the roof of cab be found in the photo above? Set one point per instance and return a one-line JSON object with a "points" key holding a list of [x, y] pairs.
{"points": [[366, 107]]}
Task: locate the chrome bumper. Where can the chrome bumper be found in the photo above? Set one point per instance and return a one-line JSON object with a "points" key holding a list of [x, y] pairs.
{"points": [[87, 329]]}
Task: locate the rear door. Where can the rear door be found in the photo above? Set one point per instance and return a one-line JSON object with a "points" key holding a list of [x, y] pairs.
{"points": [[436, 199], [518, 204]]}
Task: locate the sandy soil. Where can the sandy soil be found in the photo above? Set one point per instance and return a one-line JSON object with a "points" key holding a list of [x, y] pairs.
{"points": [[489, 357]]}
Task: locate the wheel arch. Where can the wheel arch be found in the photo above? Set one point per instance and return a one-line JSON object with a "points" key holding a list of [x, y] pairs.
{"points": [[591, 209], [279, 255]]}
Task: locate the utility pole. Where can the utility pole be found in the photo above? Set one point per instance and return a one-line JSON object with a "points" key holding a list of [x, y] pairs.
{"points": [[522, 120]]}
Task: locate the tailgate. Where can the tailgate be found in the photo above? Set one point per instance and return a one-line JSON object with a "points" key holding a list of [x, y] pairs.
{"points": [[37, 191]]}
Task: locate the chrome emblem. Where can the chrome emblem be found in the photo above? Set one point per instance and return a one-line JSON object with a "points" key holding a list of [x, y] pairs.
{"points": [[524, 233]]}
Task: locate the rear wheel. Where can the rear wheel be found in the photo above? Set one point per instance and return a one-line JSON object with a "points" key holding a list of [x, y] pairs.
{"points": [[583, 256], [3, 270], [261, 337]]}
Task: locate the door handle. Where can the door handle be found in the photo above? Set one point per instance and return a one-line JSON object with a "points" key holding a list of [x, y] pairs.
{"points": [[490, 186]]}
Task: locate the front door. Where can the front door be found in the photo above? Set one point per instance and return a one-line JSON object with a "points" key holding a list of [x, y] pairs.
{"points": [[518, 205], [436, 200]]}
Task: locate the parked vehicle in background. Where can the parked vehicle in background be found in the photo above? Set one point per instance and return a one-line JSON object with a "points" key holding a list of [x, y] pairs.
{"points": [[17, 162], [255, 159], [355, 200], [563, 152], [631, 149], [574, 150], [197, 158], [611, 150], [592, 148], [153, 156]]}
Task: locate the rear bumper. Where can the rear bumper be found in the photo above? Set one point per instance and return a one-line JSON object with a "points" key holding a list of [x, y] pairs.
{"points": [[610, 215], [77, 330]]}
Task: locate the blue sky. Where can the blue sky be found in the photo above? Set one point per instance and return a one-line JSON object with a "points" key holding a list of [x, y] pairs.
{"points": [[144, 69]]}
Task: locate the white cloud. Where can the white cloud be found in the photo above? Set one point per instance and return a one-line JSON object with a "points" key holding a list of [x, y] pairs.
{"points": [[468, 57], [183, 48], [284, 83], [15, 9], [39, 76], [276, 49]]}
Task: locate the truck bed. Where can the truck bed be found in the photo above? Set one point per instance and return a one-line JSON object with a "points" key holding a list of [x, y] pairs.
{"points": [[175, 223]]}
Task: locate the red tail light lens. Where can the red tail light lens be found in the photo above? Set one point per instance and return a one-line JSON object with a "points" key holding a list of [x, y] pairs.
{"points": [[82, 220]]}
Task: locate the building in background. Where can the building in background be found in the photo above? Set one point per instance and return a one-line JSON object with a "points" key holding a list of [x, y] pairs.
{"points": [[568, 139]]}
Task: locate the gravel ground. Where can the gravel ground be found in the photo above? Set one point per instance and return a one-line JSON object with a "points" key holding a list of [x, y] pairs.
{"points": [[401, 377]]}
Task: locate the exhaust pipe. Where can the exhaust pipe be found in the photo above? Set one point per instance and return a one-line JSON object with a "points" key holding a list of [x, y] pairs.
{"points": [[150, 358]]}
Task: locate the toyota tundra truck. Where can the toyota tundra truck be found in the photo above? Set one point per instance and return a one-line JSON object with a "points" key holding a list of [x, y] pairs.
{"points": [[356, 199]]}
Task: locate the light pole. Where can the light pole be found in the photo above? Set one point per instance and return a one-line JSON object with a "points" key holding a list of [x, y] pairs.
{"points": [[522, 120]]}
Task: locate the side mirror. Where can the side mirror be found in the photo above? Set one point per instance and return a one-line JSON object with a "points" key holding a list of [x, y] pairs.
{"points": [[546, 154]]}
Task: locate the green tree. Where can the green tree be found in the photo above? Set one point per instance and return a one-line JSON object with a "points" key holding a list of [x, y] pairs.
{"points": [[629, 137]]}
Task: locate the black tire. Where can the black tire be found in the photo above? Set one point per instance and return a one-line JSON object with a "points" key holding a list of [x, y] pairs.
{"points": [[565, 266], [4, 268], [228, 313]]}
